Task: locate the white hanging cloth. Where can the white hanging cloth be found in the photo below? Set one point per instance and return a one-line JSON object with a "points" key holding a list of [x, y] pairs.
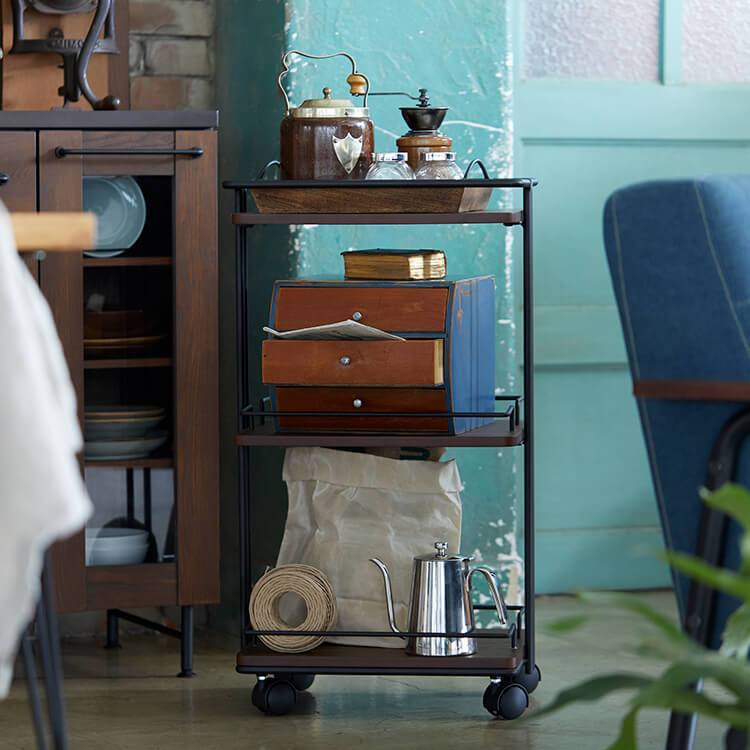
{"points": [[42, 495]]}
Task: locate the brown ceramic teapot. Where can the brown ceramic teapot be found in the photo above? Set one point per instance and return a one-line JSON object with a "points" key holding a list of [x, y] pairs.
{"points": [[327, 138]]}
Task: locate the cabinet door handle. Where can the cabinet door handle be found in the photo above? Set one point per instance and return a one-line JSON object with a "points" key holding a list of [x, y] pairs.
{"points": [[61, 152], [4, 178]]}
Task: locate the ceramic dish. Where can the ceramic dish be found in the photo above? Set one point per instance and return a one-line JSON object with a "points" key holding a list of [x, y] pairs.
{"points": [[120, 210], [113, 546], [99, 346], [119, 429], [121, 411], [117, 450]]}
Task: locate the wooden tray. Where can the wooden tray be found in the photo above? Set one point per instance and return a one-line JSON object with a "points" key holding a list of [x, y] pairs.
{"points": [[411, 197]]}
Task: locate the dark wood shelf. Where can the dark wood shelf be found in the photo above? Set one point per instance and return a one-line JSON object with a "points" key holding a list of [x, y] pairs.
{"points": [[511, 217], [131, 262], [496, 434], [112, 364], [132, 463], [493, 655]]}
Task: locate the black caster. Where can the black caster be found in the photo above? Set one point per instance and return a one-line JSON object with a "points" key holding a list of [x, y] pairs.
{"points": [[506, 700], [301, 680], [526, 680], [736, 739], [274, 696]]}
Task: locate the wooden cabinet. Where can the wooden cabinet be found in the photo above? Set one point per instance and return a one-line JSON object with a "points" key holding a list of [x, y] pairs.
{"points": [[168, 280]]}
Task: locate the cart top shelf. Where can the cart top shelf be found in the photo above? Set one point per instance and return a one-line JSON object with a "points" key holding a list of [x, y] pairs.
{"points": [[509, 218]]}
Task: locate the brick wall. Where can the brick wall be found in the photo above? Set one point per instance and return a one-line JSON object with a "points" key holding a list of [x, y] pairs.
{"points": [[172, 54]]}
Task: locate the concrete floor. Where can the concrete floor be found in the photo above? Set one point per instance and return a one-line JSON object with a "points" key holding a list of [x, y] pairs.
{"points": [[130, 699]]}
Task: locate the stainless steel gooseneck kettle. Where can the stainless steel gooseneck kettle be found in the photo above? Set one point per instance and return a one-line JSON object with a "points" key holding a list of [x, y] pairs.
{"points": [[440, 602]]}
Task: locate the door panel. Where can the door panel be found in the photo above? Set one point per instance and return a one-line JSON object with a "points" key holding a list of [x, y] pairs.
{"points": [[18, 162], [583, 134]]}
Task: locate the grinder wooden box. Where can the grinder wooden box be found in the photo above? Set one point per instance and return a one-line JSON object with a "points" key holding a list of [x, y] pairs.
{"points": [[446, 365]]}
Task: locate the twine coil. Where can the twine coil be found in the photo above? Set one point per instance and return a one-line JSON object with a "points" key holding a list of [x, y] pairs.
{"points": [[312, 586]]}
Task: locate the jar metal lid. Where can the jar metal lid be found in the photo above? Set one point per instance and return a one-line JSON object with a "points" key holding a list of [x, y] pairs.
{"points": [[400, 156], [438, 156]]}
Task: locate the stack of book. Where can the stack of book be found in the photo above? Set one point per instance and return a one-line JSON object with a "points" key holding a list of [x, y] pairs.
{"points": [[397, 265]]}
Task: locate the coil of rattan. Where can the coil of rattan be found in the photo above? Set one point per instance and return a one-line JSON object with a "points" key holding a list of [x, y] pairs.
{"points": [[312, 586]]}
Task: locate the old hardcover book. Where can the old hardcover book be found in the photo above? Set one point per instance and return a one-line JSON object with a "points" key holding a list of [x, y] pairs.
{"points": [[399, 265]]}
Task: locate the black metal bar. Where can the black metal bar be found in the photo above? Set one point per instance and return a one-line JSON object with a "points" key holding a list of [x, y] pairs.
{"points": [[34, 703], [466, 670], [49, 643], [147, 516], [501, 182], [712, 533], [61, 152], [528, 405], [250, 411], [143, 622], [482, 633], [130, 494], [113, 629], [186, 643]]}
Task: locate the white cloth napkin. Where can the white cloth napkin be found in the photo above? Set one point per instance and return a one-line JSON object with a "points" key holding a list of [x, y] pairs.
{"points": [[42, 495]]}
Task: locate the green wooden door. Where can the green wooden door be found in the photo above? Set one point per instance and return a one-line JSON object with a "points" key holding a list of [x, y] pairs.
{"points": [[609, 92]]}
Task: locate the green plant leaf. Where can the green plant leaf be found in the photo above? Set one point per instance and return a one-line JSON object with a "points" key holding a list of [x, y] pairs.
{"points": [[732, 499], [593, 690], [638, 606], [627, 739], [736, 639], [718, 578], [566, 624]]}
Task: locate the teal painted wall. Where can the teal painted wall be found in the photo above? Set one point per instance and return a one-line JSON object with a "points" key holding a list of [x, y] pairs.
{"points": [[459, 50]]}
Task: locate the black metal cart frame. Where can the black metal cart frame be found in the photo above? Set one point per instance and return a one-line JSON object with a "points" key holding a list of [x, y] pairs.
{"points": [[254, 429]]}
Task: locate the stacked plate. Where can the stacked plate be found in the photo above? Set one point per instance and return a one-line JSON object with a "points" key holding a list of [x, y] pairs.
{"points": [[111, 546], [122, 432], [120, 210]]}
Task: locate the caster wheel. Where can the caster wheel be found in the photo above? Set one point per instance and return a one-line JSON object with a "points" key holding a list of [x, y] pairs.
{"points": [[506, 701], [528, 681], [736, 739], [301, 680], [274, 696]]}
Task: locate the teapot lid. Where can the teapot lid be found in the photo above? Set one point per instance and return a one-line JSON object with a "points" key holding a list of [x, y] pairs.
{"points": [[441, 554], [327, 107]]}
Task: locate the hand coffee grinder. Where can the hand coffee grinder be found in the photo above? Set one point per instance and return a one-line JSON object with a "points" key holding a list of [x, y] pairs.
{"points": [[423, 121], [75, 53]]}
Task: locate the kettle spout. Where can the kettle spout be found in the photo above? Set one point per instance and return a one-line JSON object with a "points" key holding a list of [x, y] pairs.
{"points": [[388, 593]]}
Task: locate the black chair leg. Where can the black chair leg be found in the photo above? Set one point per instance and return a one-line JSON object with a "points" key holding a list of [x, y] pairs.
{"points": [[49, 643], [712, 533], [34, 703]]}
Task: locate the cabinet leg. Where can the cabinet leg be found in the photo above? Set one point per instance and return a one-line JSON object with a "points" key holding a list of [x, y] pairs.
{"points": [[186, 643], [34, 703], [113, 630]]}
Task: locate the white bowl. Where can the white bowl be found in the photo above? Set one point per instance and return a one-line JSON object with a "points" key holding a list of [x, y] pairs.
{"points": [[113, 546], [110, 536]]}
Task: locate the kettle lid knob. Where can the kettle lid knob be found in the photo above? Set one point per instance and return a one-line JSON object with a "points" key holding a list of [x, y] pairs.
{"points": [[442, 549]]}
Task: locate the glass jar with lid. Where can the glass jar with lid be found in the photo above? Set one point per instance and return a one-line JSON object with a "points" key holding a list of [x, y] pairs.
{"points": [[438, 165], [390, 167]]}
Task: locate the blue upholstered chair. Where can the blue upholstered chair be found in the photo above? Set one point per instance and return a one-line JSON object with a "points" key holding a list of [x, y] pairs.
{"points": [[679, 256]]}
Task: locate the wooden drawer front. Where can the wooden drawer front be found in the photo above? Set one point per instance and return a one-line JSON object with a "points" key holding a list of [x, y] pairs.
{"points": [[389, 308], [417, 362], [408, 400]]}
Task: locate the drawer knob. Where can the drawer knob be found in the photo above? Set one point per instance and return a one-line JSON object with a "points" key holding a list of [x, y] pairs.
{"points": [[345, 361], [357, 403], [357, 316]]}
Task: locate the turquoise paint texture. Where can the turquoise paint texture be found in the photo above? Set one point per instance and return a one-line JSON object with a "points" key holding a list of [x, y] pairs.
{"points": [[460, 51]]}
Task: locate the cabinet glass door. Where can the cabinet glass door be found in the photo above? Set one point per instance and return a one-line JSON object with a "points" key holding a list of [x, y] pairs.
{"points": [[128, 394]]}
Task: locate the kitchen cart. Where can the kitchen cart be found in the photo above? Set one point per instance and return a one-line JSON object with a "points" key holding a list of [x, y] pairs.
{"points": [[506, 657]]}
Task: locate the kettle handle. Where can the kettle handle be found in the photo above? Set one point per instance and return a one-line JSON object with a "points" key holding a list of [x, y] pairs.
{"points": [[495, 590], [355, 79]]}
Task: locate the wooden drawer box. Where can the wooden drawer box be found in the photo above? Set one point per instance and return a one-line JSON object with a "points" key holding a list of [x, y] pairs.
{"points": [[446, 364]]}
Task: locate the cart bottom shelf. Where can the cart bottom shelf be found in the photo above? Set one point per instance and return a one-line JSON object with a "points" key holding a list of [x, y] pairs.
{"points": [[494, 656]]}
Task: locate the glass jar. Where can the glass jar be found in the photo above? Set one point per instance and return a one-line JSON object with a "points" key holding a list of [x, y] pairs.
{"points": [[390, 167], [438, 165]]}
